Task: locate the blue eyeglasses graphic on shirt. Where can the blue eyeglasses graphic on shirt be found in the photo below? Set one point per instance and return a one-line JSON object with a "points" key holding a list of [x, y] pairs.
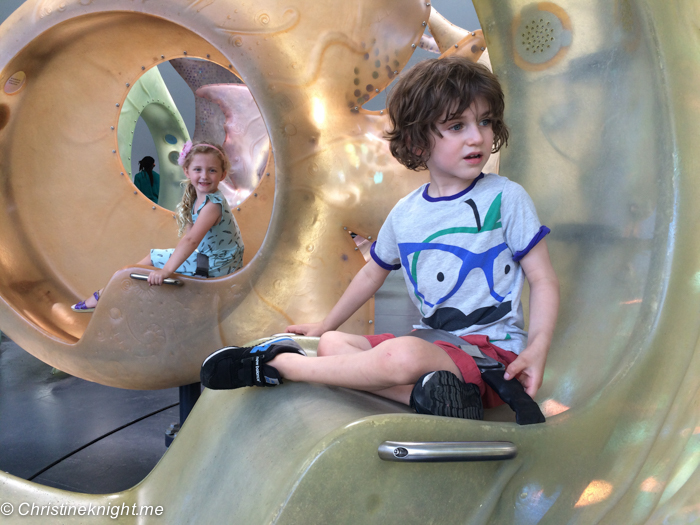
{"points": [[470, 261]]}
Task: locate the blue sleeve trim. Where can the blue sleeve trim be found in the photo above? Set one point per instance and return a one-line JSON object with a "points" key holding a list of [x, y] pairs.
{"points": [[537, 238], [381, 263]]}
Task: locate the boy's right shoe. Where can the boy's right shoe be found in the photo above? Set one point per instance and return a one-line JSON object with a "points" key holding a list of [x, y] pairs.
{"points": [[234, 367], [442, 393]]}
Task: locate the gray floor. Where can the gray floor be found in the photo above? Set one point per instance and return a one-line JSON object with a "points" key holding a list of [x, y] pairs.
{"points": [[46, 419]]}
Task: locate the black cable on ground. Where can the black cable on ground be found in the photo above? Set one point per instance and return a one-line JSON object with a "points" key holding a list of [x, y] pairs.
{"points": [[99, 439]]}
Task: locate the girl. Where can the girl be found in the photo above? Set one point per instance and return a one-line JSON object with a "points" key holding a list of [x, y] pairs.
{"points": [[210, 230]]}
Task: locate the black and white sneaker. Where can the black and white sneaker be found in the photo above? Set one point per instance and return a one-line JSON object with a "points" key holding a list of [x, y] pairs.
{"points": [[441, 393], [234, 366]]}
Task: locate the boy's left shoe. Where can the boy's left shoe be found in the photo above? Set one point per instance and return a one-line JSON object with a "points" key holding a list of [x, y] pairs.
{"points": [[235, 367], [442, 393]]}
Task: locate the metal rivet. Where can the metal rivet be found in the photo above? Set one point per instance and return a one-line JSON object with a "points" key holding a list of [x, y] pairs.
{"points": [[117, 104], [424, 23], [369, 238], [162, 56], [238, 209], [356, 248], [122, 173], [143, 68], [184, 52], [473, 33], [230, 66], [267, 174], [154, 207], [413, 46], [428, 4], [456, 45], [377, 90], [114, 151], [356, 108], [208, 56], [112, 128], [396, 72], [255, 194], [345, 227], [381, 111], [370, 321], [483, 49], [174, 217], [135, 193]]}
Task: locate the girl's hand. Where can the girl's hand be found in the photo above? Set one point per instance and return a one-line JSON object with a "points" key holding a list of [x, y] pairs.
{"points": [[156, 278], [310, 329]]}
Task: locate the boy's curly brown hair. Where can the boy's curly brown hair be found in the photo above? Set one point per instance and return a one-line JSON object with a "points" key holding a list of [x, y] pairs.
{"points": [[438, 90]]}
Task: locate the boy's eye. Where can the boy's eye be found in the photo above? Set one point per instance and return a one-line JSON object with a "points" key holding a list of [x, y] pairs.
{"points": [[457, 127], [485, 122]]}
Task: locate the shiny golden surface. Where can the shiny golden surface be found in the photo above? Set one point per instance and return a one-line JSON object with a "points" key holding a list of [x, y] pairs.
{"points": [[69, 220], [604, 127]]}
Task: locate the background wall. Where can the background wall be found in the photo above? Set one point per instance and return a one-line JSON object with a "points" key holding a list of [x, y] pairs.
{"points": [[459, 12]]}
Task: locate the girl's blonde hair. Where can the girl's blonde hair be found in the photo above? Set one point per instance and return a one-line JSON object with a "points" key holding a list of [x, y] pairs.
{"points": [[184, 209]]}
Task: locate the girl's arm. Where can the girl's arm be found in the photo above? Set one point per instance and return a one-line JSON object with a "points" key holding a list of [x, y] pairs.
{"points": [[544, 307], [210, 215], [363, 286]]}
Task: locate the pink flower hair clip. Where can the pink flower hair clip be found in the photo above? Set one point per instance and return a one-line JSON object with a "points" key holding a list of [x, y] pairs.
{"points": [[185, 151]]}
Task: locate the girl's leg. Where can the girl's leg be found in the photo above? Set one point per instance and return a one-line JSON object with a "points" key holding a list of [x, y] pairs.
{"points": [[91, 302], [389, 369]]}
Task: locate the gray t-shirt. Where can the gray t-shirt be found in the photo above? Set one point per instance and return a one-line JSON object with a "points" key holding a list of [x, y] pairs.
{"points": [[460, 257]]}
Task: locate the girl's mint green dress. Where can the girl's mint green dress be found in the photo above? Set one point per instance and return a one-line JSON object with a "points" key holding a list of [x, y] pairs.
{"points": [[222, 244]]}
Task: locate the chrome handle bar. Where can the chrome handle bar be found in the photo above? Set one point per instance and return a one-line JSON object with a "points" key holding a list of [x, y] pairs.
{"points": [[141, 277], [441, 451]]}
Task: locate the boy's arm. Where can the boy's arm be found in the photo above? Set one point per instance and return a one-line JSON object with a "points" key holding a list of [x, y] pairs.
{"points": [[544, 306], [363, 286]]}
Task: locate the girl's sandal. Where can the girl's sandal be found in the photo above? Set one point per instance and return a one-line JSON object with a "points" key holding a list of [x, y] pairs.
{"points": [[83, 308]]}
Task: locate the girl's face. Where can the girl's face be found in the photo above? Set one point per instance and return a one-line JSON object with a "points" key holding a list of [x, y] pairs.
{"points": [[205, 173]]}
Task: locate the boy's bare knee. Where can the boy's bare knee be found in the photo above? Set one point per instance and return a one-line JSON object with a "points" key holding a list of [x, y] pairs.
{"points": [[399, 362], [327, 343]]}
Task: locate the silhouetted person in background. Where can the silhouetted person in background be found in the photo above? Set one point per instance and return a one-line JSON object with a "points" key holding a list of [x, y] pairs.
{"points": [[147, 180]]}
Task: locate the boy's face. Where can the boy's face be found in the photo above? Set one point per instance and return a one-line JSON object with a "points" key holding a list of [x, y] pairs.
{"points": [[458, 157]]}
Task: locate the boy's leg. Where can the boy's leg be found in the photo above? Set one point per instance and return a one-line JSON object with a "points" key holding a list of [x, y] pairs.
{"points": [[398, 362], [405, 369], [336, 343]]}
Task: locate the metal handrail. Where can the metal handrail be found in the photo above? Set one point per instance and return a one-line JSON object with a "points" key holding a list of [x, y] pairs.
{"points": [[141, 277], [442, 451]]}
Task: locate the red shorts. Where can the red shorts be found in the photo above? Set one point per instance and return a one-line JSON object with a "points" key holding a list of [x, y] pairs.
{"points": [[465, 362]]}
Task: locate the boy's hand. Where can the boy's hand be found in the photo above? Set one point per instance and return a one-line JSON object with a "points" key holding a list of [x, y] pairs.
{"points": [[157, 277], [528, 368], [310, 329]]}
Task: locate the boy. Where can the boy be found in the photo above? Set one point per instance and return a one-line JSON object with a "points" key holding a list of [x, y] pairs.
{"points": [[465, 242]]}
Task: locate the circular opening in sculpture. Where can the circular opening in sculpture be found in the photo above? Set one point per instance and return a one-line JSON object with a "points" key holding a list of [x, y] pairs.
{"points": [[190, 99]]}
